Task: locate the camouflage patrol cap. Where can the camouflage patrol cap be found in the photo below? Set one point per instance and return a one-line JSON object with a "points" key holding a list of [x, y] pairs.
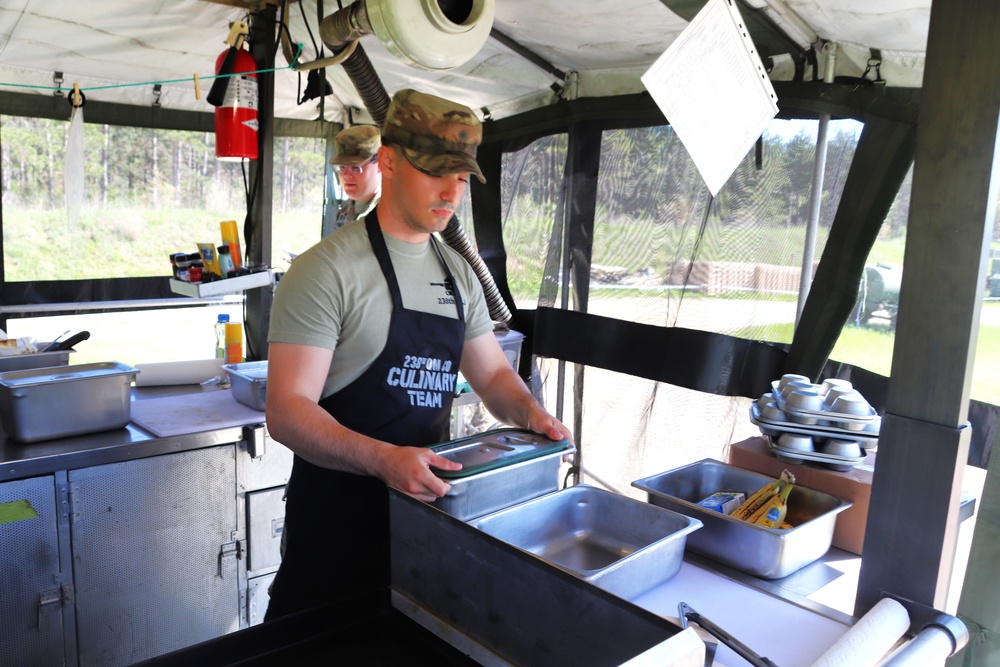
{"points": [[356, 145], [436, 135]]}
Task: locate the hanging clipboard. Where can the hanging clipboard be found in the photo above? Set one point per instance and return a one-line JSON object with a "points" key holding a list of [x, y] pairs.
{"points": [[714, 90]]}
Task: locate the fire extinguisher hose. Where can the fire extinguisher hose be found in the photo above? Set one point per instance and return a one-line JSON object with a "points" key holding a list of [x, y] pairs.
{"points": [[217, 94]]}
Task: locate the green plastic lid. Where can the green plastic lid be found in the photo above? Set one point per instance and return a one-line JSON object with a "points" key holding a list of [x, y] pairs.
{"points": [[494, 449]]}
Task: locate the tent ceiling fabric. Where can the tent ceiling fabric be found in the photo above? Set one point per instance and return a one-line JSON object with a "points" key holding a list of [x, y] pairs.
{"points": [[114, 48], [898, 25]]}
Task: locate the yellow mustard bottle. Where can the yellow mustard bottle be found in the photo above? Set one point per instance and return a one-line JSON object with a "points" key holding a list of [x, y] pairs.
{"points": [[231, 237]]}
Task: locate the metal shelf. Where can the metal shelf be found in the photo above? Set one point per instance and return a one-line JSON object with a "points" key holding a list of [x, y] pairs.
{"points": [[219, 287]]}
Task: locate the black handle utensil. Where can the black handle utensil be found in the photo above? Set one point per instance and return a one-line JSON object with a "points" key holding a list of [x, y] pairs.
{"points": [[67, 343]]}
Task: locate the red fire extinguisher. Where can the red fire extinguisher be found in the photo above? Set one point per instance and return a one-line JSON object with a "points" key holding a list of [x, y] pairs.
{"points": [[236, 124]]}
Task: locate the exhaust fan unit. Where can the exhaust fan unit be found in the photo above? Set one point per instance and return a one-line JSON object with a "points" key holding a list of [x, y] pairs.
{"points": [[429, 34], [432, 34]]}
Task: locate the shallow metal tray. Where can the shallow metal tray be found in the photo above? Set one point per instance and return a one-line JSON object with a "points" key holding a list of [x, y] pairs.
{"points": [[249, 383], [47, 403], [831, 461], [838, 419], [622, 545], [867, 439], [769, 553], [22, 362]]}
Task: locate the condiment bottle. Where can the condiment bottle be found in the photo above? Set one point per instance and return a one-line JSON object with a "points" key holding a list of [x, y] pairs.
{"points": [[220, 336], [231, 238], [234, 343], [225, 261], [183, 264], [174, 258]]}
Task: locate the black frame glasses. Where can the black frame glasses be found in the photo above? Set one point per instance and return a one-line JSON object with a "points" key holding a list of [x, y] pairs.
{"points": [[354, 168]]}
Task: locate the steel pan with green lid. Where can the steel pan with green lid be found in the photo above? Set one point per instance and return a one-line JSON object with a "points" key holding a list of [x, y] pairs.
{"points": [[500, 468]]}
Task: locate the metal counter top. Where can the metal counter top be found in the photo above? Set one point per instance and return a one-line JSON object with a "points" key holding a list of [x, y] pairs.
{"points": [[18, 461]]}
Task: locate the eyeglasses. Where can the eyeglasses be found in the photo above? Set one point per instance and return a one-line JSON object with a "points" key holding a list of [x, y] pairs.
{"points": [[355, 168]]}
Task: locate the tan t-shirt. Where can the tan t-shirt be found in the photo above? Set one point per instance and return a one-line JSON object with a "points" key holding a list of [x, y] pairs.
{"points": [[335, 296]]}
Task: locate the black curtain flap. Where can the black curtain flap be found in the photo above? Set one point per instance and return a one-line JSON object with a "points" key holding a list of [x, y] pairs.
{"points": [[487, 214], [984, 418], [699, 360], [583, 163], [74, 291], [884, 155], [708, 362]]}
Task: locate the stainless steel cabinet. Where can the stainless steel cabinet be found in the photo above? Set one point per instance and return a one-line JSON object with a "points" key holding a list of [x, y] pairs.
{"points": [[266, 522], [34, 588], [155, 554], [116, 563], [263, 468]]}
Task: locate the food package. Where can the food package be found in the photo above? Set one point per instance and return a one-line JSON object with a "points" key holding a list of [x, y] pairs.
{"points": [[15, 346], [723, 502]]}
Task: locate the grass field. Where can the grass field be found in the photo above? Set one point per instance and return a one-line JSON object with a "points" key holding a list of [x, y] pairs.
{"points": [[871, 348], [38, 245]]}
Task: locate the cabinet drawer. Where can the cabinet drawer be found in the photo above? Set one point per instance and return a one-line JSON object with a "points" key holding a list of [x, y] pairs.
{"points": [[266, 519]]}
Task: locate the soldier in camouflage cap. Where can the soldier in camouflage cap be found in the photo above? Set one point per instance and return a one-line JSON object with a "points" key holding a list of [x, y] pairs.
{"points": [[368, 330], [356, 163], [436, 135], [356, 145]]}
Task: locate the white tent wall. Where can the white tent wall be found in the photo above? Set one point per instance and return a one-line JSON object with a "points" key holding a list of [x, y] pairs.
{"points": [[118, 51]]}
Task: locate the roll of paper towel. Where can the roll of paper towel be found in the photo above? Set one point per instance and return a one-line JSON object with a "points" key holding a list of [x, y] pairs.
{"points": [[867, 642], [177, 372]]}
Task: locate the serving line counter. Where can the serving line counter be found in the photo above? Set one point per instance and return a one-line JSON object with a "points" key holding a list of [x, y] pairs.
{"points": [[504, 589], [160, 545], [18, 460], [500, 606]]}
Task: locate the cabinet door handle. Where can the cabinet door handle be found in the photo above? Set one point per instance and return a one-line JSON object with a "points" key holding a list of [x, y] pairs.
{"points": [[228, 552], [256, 438], [48, 601]]}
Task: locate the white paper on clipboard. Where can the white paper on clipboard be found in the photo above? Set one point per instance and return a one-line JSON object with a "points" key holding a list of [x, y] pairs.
{"points": [[714, 90]]}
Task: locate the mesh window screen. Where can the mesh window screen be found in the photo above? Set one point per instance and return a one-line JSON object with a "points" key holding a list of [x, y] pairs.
{"points": [[664, 253], [531, 196]]}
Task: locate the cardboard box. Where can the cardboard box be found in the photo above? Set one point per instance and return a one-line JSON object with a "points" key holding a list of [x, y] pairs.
{"points": [[854, 485]]}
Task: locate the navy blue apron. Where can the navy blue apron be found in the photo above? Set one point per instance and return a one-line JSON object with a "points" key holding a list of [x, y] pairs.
{"points": [[337, 523]]}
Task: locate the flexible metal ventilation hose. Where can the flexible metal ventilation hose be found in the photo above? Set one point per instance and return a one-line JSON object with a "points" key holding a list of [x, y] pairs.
{"points": [[341, 30], [456, 237]]}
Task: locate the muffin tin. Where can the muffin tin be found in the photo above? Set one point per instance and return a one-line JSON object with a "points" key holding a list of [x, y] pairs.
{"points": [[868, 438], [832, 461], [826, 416], [797, 434]]}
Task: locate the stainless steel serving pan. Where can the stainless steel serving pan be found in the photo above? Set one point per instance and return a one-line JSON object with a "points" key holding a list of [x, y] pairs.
{"points": [[249, 383], [23, 362], [768, 553], [47, 403], [501, 468], [622, 545]]}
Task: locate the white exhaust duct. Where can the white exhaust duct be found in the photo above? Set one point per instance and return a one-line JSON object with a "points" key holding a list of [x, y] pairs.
{"points": [[429, 34], [432, 34]]}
